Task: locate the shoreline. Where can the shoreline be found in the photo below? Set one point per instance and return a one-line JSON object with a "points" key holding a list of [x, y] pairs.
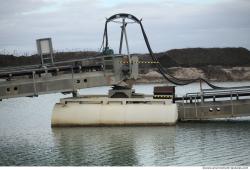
{"points": [[163, 81], [210, 73]]}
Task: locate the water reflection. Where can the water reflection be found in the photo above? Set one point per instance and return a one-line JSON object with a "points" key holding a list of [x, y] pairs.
{"points": [[123, 146], [26, 138], [213, 143]]}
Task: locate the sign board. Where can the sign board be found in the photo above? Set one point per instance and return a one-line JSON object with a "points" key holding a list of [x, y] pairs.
{"points": [[44, 46], [45, 50]]}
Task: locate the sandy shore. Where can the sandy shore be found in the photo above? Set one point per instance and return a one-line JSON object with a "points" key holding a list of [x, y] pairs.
{"points": [[212, 74]]}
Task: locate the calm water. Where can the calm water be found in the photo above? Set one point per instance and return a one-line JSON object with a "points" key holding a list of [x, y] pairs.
{"points": [[26, 138]]}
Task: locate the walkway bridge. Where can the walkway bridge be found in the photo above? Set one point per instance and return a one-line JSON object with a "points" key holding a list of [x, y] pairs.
{"points": [[214, 103]]}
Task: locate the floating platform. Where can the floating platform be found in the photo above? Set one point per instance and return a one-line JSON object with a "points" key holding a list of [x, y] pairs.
{"points": [[105, 111]]}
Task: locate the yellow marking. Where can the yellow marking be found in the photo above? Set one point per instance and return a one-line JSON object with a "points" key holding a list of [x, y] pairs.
{"points": [[163, 96], [139, 62], [147, 62]]}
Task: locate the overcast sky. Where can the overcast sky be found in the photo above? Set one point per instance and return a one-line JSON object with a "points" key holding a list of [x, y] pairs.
{"points": [[79, 24]]}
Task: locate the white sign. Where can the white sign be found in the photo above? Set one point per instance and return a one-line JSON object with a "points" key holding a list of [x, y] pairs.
{"points": [[45, 46]]}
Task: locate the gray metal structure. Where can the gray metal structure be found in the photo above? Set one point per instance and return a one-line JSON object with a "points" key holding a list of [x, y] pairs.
{"points": [[65, 77], [210, 104], [69, 76], [212, 110], [45, 51]]}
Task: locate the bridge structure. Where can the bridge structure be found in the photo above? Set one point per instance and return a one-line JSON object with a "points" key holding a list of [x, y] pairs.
{"points": [[214, 103], [121, 71], [69, 76], [66, 76]]}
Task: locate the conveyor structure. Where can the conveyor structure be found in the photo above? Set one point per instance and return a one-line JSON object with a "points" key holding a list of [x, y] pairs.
{"points": [[122, 106]]}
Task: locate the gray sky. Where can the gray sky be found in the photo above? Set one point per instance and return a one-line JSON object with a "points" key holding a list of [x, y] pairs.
{"points": [[79, 24]]}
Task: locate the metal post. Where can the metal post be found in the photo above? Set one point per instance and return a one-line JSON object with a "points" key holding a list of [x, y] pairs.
{"points": [[200, 85], [125, 34], [42, 59], [126, 40], [196, 112], [34, 83], [184, 112], [121, 39], [52, 58], [74, 92], [51, 52], [231, 97], [202, 99]]}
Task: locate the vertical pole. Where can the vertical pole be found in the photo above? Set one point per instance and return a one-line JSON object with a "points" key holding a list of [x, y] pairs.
{"points": [[42, 59], [34, 83], [202, 99], [126, 39], [52, 58], [231, 98], [121, 39], [51, 52], [196, 112], [74, 92], [184, 112]]}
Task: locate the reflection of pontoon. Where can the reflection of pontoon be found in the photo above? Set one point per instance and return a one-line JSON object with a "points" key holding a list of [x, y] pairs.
{"points": [[115, 146]]}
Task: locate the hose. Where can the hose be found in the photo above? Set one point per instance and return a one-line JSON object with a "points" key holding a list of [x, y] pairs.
{"points": [[163, 72]]}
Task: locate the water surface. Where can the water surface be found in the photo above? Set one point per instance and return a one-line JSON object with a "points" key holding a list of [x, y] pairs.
{"points": [[26, 138]]}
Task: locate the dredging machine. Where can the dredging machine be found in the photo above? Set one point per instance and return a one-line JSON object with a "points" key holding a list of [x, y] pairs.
{"points": [[122, 105]]}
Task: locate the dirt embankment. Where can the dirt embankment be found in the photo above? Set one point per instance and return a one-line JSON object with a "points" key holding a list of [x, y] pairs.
{"points": [[210, 73], [200, 57], [216, 64]]}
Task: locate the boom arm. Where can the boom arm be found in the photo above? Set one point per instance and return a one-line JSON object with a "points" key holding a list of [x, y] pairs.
{"points": [[33, 81]]}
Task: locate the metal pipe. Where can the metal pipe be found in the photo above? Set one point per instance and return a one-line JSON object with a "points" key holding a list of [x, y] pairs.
{"points": [[121, 39], [126, 40], [34, 83]]}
